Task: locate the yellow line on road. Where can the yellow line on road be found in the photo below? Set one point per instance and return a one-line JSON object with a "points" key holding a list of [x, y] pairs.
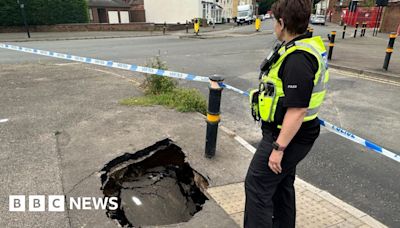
{"points": [[361, 76]]}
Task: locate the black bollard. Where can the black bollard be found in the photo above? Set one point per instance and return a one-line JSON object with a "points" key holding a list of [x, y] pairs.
{"points": [[389, 50], [331, 44], [363, 29], [344, 31], [355, 32], [213, 115], [310, 32], [164, 27], [23, 14]]}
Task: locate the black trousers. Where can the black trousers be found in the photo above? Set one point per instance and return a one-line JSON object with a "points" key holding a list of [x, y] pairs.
{"points": [[270, 197]]}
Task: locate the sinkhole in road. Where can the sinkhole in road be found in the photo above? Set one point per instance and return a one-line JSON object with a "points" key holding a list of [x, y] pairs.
{"points": [[154, 186]]}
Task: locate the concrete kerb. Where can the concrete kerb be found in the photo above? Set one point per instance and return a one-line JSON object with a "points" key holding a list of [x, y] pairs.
{"points": [[203, 37], [228, 35], [311, 188], [79, 38], [365, 72]]}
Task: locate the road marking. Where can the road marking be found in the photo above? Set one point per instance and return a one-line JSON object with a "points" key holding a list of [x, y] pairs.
{"points": [[362, 76], [3, 120], [66, 64], [245, 144]]}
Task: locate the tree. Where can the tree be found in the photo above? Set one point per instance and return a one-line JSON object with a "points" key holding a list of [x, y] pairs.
{"points": [[315, 2], [265, 5], [10, 13], [44, 12]]}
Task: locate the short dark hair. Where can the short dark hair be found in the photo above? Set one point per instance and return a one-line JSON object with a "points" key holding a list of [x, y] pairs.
{"points": [[295, 14]]}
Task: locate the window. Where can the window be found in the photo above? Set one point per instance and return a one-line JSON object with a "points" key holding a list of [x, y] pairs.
{"points": [[90, 15]]}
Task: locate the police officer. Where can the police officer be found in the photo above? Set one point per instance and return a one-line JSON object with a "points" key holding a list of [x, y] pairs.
{"points": [[292, 89]]}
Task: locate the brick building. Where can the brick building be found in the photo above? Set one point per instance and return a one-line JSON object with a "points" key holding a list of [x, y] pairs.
{"points": [[109, 11], [391, 17]]}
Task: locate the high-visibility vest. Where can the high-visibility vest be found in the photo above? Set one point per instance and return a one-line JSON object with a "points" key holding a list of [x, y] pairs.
{"points": [[268, 100]]}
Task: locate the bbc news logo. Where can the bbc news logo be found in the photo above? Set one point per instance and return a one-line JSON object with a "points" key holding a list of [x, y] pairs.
{"points": [[57, 203]]}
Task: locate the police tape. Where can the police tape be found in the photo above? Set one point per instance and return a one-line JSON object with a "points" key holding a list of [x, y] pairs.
{"points": [[368, 144], [190, 77], [105, 63], [348, 135]]}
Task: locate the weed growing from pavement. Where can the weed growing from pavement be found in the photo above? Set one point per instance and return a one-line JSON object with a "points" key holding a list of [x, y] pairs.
{"points": [[156, 85], [164, 91]]}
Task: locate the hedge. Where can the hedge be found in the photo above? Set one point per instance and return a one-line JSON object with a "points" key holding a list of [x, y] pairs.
{"points": [[44, 12]]}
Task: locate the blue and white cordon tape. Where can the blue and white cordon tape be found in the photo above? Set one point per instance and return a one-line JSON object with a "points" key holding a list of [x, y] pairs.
{"points": [[190, 77]]}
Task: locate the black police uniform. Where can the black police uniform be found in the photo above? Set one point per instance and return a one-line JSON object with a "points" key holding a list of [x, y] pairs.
{"points": [[270, 198]]}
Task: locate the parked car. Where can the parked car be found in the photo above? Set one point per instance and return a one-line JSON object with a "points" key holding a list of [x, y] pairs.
{"points": [[318, 19]]}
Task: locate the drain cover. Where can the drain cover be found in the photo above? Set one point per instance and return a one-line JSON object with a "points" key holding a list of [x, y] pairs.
{"points": [[154, 186]]}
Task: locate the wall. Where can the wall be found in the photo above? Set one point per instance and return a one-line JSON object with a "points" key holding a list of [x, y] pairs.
{"points": [[172, 11], [234, 9], [138, 13], [391, 18], [93, 27], [95, 15], [321, 7], [227, 11]]}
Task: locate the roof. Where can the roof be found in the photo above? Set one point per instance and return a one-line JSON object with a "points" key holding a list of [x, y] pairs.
{"points": [[108, 3]]}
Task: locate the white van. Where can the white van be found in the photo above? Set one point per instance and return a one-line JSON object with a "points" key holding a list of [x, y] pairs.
{"points": [[245, 14]]}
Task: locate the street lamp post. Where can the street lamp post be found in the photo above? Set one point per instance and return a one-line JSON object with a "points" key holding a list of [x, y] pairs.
{"points": [[214, 16], [22, 7]]}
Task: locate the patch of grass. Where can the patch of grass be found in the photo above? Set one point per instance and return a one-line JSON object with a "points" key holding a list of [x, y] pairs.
{"points": [[183, 100], [164, 91]]}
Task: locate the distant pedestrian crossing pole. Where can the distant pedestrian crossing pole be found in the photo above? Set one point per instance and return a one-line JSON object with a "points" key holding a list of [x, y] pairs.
{"points": [[258, 24], [196, 26]]}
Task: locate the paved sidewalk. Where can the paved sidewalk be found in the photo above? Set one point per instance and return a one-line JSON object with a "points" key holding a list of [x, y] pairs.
{"points": [[53, 36], [363, 55], [228, 30], [316, 208]]}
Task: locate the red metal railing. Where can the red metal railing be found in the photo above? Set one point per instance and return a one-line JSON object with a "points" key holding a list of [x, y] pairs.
{"points": [[362, 14]]}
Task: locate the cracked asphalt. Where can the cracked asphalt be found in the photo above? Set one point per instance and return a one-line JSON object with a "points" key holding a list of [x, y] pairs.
{"points": [[40, 98]]}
